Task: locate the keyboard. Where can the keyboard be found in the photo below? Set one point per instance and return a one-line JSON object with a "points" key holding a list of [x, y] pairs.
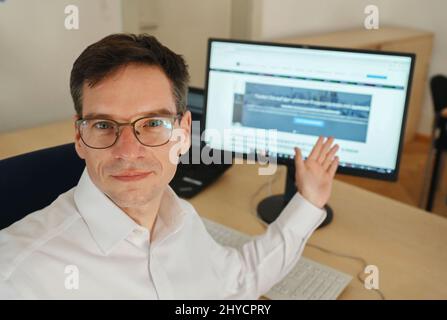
{"points": [[308, 280]]}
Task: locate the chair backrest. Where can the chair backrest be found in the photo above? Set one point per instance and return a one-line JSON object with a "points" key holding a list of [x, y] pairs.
{"points": [[32, 181], [438, 86]]}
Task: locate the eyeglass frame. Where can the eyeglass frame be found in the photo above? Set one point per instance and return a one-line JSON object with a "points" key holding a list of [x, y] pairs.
{"points": [[172, 117]]}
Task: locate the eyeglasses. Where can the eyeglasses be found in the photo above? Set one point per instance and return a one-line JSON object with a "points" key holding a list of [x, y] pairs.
{"points": [[149, 131]]}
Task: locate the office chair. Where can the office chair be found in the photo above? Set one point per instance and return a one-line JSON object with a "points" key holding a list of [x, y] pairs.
{"points": [[438, 86], [32, 181]]}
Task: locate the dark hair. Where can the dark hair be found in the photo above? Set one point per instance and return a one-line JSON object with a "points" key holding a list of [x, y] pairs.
{"points": [[109, 54]]}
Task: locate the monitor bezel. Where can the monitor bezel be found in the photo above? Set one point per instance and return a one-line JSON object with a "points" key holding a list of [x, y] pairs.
{"points": [[198, 91], [392, 176]]}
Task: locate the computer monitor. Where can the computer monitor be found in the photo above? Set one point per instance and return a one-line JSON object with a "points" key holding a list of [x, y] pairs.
{"points": [[195, 102], [360, 97], [195, 105]]}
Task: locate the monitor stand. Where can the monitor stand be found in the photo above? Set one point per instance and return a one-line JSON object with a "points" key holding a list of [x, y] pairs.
{"points": [[270, 208]]}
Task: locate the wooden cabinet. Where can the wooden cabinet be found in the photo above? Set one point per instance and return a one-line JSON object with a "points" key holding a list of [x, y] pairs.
{"points": [[386, 39]]}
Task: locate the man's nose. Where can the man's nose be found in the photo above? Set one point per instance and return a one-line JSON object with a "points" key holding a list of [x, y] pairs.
{"points": [[127, 146]]}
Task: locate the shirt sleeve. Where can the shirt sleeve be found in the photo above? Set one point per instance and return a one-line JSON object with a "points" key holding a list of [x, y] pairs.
{"points": [[253, 270], [7, 291]]}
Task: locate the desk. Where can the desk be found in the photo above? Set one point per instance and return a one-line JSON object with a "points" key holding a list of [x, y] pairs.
{"points": [[27, 140], [408, 245]]}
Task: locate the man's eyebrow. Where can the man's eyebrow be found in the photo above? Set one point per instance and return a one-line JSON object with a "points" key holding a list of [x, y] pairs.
{"points": [[158, 112]]}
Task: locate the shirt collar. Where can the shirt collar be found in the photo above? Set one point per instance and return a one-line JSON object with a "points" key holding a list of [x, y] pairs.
{"points": [[109, 225], [170, 216]]}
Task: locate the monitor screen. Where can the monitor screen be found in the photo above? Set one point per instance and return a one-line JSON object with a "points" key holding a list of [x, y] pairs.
{"points": [[302, 92]]}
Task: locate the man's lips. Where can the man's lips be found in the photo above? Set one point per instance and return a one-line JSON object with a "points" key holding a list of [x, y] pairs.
{"points": [[132, 175]]}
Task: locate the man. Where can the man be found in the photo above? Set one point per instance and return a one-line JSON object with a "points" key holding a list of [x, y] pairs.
{"points": [[122, 232]]}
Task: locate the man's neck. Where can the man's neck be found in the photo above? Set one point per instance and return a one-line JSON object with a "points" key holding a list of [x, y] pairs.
{"points": [[145, 215]]}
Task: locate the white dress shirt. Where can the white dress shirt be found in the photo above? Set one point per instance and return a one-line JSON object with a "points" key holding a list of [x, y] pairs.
{"points": [[83, 246]]}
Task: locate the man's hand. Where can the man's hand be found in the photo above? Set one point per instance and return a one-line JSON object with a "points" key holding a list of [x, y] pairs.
{"points": [[314, 176]]}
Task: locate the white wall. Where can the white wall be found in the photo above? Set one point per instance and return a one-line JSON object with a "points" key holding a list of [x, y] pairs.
{"points": [[182, 25], [282, 18], [185, 27], [37, 53]]}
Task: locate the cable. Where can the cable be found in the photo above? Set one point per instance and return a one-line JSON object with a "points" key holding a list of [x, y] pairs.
{"points": [[364, 263]]}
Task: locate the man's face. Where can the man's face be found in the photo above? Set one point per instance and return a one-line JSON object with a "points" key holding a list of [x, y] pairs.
{"points": [[130, 173]]}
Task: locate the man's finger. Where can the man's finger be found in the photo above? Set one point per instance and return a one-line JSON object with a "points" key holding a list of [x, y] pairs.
{"points": [[333, 167], [330, 157], [314, 154], [324, 149], [299, 162]]}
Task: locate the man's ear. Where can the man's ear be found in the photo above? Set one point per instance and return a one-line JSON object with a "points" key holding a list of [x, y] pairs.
{"points": [[185, 124], [77, 139]]}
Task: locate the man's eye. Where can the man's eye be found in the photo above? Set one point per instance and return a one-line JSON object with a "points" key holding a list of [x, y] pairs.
{"points": [[103, 125], [154, 123]]}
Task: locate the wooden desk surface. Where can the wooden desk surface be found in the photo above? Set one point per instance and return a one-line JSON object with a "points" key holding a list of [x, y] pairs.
{"points": [[407, 244], [27, 140]]}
